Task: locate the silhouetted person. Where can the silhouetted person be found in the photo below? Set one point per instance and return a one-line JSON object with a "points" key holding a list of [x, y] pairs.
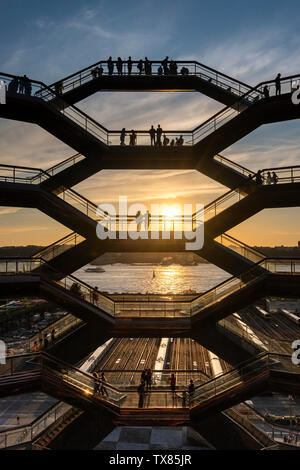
{"points": [[102, 386], [120, 66], [184, 399], [164, 64], [275, 178], [152, 135], [184, 71], [148, 379], [258, 177], [278, 84], [129, 65], [165, 141], [22, 83], [132, 138], [13, 85], [191, 390], [110, 66], [266, 92], [269, 178], [96, 382], [148, 70], [159, 70], [141, 391], [172, 380], [140, 67], [95, 295], [172, 143], [122, 136], [173, 68], [100, 70], [35, 346], [180, 140], [159, 132], [27, 86]]}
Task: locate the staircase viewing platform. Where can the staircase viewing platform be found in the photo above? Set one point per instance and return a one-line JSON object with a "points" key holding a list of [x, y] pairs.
{"points": [[233, 356], [185, 76], [267, 277], [33, 109], [262, 373]]}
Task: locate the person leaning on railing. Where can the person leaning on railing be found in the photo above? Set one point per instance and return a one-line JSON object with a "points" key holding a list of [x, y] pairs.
{"points": [[95, 295]]}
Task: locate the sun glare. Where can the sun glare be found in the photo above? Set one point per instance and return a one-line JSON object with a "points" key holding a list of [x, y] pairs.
{"points": [[171, 211]]}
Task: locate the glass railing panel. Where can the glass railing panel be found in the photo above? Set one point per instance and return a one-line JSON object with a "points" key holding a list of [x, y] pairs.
{"points": [[65, 164], [14, 437], [155, 223], [18, 266], [216, 294], [215, 208], [254, 337], [83, 382], [230, 380], [17, 437], [240, 248], [80, 203], [87, 293], [283, 266], [19, 364], [14, 174], [160, 380], [60, 327], [152, 309], [235, 166], [59, 247], [49, 418], [281, 175]]}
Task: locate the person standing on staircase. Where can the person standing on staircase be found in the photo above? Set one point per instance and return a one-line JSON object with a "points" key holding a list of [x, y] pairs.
{"points": [[129, 65], [278, 84], [159, 132], [152, 133], [110, 66]]}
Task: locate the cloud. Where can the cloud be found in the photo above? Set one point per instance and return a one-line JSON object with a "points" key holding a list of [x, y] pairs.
{"points": [[8, 210]]}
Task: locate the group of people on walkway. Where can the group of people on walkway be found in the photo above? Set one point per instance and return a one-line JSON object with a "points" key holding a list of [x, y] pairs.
{"points": [[145, 385], [43, 341], [269, 179], [146, 382], [99, 383], [124, 67], [20, 85], [157, 138], [266, 90]]}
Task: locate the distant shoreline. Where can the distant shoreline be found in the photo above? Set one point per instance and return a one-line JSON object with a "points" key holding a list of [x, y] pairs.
{"points": [[186, 258]]}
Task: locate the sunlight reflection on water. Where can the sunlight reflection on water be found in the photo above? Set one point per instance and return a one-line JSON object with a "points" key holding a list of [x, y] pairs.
{"points": [[139, 278]]}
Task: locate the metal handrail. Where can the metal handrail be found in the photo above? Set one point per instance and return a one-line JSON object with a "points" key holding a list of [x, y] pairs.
{"points": [[155, 62], [218, 117], [195, 305]]}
